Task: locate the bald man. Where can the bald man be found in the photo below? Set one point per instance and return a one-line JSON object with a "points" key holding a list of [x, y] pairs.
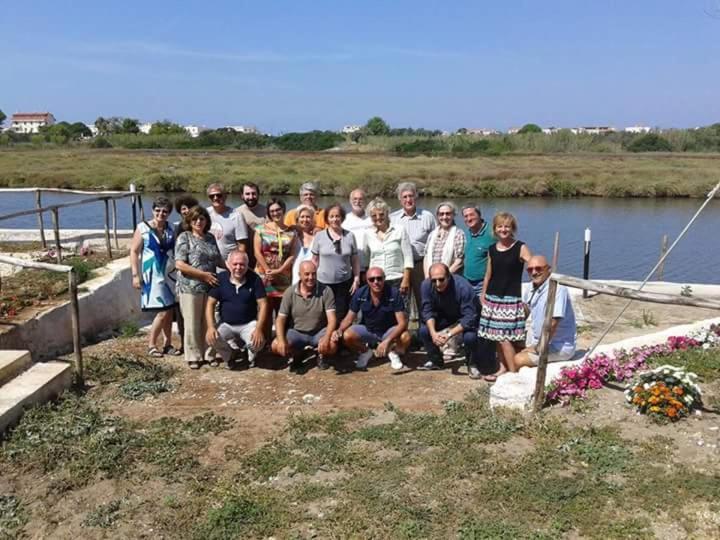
{"points": [[309, 307], [563, 331]]}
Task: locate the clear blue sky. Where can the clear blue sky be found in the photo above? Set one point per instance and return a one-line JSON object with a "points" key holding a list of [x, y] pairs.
{"points": [[319, 64]]}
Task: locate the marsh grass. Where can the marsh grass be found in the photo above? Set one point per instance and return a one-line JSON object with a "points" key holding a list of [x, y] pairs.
{"points": [[12, 516], [552, 175]]}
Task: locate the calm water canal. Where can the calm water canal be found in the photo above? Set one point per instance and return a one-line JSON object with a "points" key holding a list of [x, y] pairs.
{"points": [[626, 233]]}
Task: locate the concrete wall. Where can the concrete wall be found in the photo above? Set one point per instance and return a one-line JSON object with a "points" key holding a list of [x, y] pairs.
{"points": [[105, 303]]}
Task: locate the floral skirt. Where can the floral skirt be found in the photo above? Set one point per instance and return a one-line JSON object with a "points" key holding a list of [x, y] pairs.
{"points": [[502, 318]]}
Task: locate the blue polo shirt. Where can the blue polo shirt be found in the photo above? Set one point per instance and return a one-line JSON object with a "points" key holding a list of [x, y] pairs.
{"points": [[238, 303], [476, 252], [378, 319]]}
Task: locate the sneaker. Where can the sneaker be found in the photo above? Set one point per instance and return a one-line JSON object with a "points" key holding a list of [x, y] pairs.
{"points": [[363, 359], [431, 366], [474, 373], [295, 365], [395, 361], [251, 358]]}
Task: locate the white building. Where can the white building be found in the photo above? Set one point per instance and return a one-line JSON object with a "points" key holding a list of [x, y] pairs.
{"points": [[637, 129], [243, 129], [195, 131], [352, 128], [550, 130], [513, 131], [484, 132], [145, 128], [93, 129], [31, 122], [593, 130]]}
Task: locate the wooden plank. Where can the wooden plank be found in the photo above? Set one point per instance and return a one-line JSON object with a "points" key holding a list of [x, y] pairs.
{"points": [[62, 190], [33, 264], [556, 252], [624, 292], [64, 205], [56, 233], [38, 204], [75, 316], [544, 347]]}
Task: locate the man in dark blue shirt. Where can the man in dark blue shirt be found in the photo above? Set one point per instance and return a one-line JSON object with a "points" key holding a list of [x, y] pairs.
{"points": [[449, 309], [384, 322], [243, 310]]}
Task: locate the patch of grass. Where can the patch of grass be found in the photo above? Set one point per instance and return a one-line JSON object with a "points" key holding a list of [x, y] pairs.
{"points": [[482, 529], [129, 329], [601, 450], [137, 390], [104, 516], [12, 516], [242, 515], [77, 442], [138, 377]]}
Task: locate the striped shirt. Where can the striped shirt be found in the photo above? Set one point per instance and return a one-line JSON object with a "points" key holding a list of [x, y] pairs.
{"points": [[418, 227], [439, 246]]}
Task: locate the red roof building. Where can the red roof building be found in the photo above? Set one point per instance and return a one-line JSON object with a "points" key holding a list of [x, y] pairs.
{"points": [[31, 122]]}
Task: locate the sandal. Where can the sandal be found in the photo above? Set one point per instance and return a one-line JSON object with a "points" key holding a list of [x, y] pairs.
{"points": [[214, 362], [194, 365], [154, 352], [172, 351], [489, 378]]}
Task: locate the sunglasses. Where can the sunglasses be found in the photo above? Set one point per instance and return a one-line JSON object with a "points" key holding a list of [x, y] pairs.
{"points": [[533, 269], [375, 279], [199, 218], [438, 280], [161, 210], [214, 196]]}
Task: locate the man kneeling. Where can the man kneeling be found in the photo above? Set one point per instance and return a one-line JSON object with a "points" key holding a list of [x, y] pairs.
{"points": [[384, 322], [563, 331], [243, 310], [450, 308], [309, 307]]}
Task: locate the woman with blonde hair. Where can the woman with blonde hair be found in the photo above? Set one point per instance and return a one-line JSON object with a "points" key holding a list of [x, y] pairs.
{"points": [[502, 319], [306, 230]]}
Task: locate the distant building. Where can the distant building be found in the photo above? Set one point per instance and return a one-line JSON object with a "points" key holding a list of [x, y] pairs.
{"points": [[637, 129], [593, 130], [484, 132], [514, 131], [145, 128], [550, 130], [353, 128], [93, 129], [195, 131], [243, 129], [31, 122]]}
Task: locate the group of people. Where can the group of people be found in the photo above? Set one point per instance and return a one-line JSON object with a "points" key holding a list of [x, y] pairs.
{"points": [[331, 280]]}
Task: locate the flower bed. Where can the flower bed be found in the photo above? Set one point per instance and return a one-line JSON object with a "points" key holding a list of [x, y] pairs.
{"points": [[665, 393], [622, 365]]}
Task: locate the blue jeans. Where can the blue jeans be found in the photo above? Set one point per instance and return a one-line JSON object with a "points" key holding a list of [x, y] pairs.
{"points": [[369, 338], [299, 340], [471, 343]]}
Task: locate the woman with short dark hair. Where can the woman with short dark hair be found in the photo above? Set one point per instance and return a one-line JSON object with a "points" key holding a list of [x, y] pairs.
{"points": [[196, 257], [183, 204], [151, 260]]}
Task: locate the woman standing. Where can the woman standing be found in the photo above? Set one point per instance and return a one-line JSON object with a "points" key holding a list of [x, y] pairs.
{"points": [[336, 257], [196, 257], [306, 231], [183, 204], [503, 316], [275, 248], [151, 260], [446, 243], [388, 247]]}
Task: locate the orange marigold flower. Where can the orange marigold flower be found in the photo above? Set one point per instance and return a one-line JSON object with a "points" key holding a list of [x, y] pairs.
{"points": [[671, 412], [678, 390]]}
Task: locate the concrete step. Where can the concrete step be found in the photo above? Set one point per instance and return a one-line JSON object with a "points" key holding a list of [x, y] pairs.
{"points": [[12, 363], [42, 382]]}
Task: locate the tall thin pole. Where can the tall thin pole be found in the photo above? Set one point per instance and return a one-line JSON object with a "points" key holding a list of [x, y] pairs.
{"points": [[134, 207], [142, 210], [586, 258], [75, 315], [663, 251], [544, 347], [38, 204], [114, 220], [556, 252], [108, 245], [56, 233]]}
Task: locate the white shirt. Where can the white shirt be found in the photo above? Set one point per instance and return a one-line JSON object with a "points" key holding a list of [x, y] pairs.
{"points": [[393, 254], [357, 226]]}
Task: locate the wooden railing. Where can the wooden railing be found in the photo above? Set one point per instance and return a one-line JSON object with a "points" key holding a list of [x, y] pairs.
{"points": [[107, 197], [74, 305], [603, 288]]}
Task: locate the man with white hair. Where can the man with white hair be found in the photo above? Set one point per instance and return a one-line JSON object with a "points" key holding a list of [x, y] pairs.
{"points": [[357, 221], [418, 223], [243, 310], [308, 196]]}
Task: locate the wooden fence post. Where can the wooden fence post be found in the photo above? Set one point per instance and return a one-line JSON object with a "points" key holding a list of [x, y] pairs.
{"points": [[142, 210], [544, 347], [586, 258], [556, 251], [75, 315], [663, 250], [56, 233], [38, 204], [108, 245], [114, 219]]}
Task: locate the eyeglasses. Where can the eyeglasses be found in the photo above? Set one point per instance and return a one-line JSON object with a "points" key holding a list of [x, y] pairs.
{"points": [[377, 217], [533, 269], [438, 280], [443, 214], [375, 279], [199, 218], [161, 210], [214, 196]]}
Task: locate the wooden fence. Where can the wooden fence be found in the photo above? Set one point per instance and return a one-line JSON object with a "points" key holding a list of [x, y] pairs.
{"points": [[589, 285]]}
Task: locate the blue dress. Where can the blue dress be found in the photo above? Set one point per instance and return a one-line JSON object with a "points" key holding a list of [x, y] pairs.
{"points": [[157, 263]]}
